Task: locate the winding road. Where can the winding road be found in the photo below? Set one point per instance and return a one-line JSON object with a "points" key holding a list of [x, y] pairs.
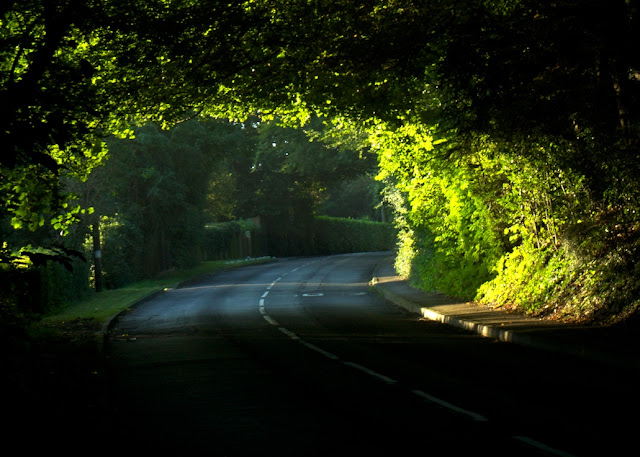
{"points": [[302, 357]]}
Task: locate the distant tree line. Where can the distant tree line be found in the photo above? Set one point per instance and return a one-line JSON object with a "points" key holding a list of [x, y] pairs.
{"points": [[205, 190]]}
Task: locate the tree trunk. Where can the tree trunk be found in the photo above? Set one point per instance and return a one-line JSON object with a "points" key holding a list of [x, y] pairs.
{"points": [[97, 254]]}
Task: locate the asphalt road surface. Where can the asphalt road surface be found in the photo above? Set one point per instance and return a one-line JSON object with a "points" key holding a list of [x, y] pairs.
{"points": [[301, 357]]}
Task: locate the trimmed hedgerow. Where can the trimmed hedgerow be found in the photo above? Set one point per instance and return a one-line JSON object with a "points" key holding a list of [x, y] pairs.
{"points": [[334, 235]]}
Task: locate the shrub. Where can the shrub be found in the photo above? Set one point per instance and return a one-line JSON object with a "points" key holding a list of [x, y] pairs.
{"points": [[334, 235], [231, 240]]}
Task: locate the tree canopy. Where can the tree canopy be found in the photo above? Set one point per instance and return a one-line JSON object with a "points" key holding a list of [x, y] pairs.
{"points": [[74, 72], [478, 94]]}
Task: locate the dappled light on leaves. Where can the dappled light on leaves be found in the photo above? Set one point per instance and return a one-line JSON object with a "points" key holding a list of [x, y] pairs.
{"points": [[506, 132]]}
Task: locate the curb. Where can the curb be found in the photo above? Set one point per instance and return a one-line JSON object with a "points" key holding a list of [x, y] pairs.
{"points": [[504, 335], [107, 325], [488, 331]]}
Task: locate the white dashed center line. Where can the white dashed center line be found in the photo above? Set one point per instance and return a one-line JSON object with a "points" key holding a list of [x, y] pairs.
{"points": [[431, 398], [379, 376]]}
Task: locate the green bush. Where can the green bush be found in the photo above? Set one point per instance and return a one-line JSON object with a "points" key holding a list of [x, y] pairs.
{"points": [[20, 291], [232, 240], [334, 235], [61, 287], [494, 224], [122, 251], [29, 292]]}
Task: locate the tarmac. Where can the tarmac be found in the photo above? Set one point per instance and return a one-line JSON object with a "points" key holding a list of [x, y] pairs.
{"points": [[617, 346]]}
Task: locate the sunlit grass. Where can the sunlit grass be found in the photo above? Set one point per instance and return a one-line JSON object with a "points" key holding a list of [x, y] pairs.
{"points": [[103, 305]]}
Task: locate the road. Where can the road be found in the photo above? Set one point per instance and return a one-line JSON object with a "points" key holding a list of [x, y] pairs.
{"points": [[302, 357]]}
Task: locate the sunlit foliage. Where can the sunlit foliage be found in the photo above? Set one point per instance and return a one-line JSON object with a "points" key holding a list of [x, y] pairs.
{"points": [[507, 132]]}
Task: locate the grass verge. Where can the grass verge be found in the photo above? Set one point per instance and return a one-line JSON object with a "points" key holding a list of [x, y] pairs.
{"points": [[54, 374], [93, 312]]}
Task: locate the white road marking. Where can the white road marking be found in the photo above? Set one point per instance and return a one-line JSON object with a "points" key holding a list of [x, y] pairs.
{"points": [[313, 347], [423, 395], [289, 333], [370, 372], [270, 320], [321, 351], [543, 447], [448, 405]]}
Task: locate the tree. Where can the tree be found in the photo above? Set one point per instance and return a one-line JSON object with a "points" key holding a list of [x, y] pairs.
{"points": [[357, 198], [153, 211], [74, 71], [557, 80], [282, 175]]}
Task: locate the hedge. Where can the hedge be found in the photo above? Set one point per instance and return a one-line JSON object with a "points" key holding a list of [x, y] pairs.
{"points": [[232, 240], [335, 235]]}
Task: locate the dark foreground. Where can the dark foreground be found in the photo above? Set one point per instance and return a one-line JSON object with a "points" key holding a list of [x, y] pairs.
{"points": [[302, 357]]}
